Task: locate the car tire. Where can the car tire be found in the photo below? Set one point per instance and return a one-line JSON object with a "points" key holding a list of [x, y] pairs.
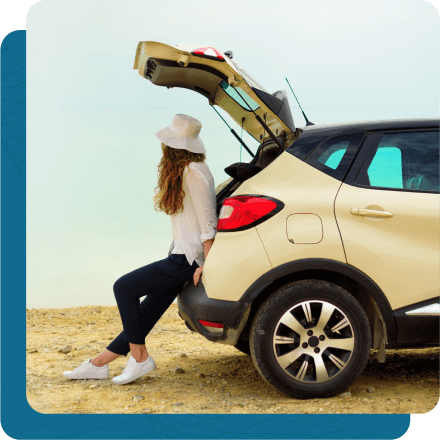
{"points": [[243, 346], [310, 357]]}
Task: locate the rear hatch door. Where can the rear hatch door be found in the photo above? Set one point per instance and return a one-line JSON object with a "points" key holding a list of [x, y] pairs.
{"points": [[213, 74]]}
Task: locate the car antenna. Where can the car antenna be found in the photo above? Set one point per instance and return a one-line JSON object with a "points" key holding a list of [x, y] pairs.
{"points": [[234, 133], [305, 117], [262, 123]]}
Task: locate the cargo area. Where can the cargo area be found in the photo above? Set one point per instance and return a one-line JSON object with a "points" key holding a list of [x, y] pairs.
{"points": [[267, 152]]}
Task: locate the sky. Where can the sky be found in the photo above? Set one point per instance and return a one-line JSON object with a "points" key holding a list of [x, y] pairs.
{"points": [[91, 151]]}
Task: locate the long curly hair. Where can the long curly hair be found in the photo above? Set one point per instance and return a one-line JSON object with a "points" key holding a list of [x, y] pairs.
{"points": [[169, 193]]}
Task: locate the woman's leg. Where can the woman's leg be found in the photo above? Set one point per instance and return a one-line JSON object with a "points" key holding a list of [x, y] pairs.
{"points": [[161, 281], [152, 307], [139, 352], [104, 358]]}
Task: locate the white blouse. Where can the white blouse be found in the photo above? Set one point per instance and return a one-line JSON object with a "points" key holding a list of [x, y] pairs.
{"points": [[198, 220]]}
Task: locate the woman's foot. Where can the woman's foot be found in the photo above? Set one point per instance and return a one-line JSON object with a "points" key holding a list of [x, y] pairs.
{"points": [[88, 371], [133, 370]]}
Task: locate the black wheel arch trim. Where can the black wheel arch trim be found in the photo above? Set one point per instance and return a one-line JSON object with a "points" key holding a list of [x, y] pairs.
{"points": [[417, 330], [333, 266]]}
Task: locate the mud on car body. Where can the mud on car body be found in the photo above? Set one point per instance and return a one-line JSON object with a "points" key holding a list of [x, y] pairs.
{"points": [[327, 243]]}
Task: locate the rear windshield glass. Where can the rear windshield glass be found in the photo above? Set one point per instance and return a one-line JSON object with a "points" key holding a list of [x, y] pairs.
{"points": [[239, 99], [248, 78]]}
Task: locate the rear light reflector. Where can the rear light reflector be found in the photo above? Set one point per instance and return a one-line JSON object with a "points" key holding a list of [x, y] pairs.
{"points": [[212, 327], [243, 212], [208, 52]]}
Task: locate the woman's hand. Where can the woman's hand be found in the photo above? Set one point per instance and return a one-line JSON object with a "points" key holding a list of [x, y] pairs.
{"points": [[197, 275]]}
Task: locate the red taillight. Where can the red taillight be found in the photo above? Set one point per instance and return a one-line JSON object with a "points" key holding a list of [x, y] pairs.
{"points": [[212, 327], [211, 324], [208, 52], [241, 211]]}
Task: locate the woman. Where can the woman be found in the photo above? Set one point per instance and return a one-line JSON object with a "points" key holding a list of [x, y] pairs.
{"points": [[186, 193]]}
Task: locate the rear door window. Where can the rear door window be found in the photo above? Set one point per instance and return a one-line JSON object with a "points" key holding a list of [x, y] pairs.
{"points": [[405, 161], [386, 168]]}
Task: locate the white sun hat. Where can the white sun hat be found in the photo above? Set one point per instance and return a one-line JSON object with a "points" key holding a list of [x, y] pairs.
{"points": [[183, 133]]}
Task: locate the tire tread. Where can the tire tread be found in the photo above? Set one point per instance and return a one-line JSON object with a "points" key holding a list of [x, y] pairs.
{"points": [[256, 326]]}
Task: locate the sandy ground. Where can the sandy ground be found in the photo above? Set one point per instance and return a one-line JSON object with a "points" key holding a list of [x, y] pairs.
{"points": [[216, 378]]}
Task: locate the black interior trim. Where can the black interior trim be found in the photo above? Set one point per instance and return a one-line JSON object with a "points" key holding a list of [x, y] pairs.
{"points": [[242, 171]]}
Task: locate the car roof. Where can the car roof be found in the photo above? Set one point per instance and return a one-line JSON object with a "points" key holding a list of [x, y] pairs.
{"points": [[373, 125]]}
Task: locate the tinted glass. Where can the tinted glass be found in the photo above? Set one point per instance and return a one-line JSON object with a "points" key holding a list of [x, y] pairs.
{"points": [[238, 97], [407, 161], [332, 156], [386, 168], [251, 81], [335, 155], [303, 146]]}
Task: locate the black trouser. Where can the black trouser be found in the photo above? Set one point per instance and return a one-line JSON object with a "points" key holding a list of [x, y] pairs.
{"points": [[161, 281]]}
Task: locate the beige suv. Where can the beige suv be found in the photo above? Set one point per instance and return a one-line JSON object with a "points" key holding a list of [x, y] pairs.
{"points": [[328, 240]]}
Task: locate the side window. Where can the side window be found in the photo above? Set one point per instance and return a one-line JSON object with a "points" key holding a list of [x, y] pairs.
{"points": [[386, 168], [408, 161], [334, 155]]}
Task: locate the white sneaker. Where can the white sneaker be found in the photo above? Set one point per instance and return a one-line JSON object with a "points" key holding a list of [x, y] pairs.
{"points": [[88, 371], [133, 370]]}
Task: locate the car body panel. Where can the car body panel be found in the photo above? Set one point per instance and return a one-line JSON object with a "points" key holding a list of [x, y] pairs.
{"points": [[400, 253], [170, 66], [304, 229], [300, 185], [304, 190], [222, 185], [224, 276]]}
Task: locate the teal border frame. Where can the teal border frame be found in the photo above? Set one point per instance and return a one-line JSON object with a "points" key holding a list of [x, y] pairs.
{"points": [[19, 420]]}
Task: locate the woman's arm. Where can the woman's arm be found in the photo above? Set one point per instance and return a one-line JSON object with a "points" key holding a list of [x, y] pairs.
{"points": [[198, 273], [207, 245], [204, 202]]}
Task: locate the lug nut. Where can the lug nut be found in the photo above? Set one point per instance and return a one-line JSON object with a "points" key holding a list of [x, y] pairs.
{"points": [[322, 337], [309, 333], [317, 350], [305, 345]]}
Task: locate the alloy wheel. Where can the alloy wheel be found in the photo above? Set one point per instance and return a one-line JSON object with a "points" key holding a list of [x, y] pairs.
{"points": [[313, 341]]}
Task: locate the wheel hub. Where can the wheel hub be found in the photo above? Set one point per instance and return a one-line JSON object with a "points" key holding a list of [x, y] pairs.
{"points": [[302, 329], [313, 341]]}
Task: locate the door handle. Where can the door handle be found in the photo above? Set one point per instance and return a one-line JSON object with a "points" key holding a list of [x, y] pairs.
{"points": [[371, 213]]}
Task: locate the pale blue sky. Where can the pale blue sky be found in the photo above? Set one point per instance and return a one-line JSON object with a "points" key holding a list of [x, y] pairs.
{"points": [[91, 149]]}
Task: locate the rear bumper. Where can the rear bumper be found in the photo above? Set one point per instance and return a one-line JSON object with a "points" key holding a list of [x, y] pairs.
{"points": [[194, 304]]}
